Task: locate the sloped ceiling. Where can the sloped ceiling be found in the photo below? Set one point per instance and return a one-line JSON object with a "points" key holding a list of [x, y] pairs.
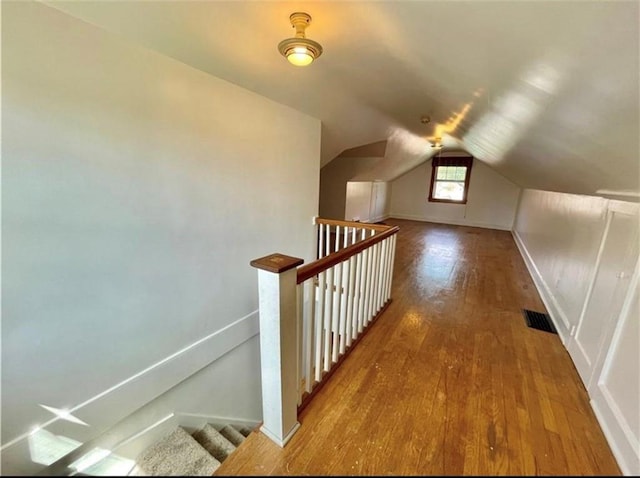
{"points": [[544, 92]]}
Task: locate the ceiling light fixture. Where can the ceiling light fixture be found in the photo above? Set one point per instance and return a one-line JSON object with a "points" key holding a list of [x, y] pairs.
{"points": [[300, 51]]}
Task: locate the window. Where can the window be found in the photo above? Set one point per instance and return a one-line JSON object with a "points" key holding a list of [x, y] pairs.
{"points": [[450, 179]]}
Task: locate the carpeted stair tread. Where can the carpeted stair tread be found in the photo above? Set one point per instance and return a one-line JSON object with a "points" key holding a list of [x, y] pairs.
{"points": [[233, 435], [246, 431], [177, 454], [215, 443]]}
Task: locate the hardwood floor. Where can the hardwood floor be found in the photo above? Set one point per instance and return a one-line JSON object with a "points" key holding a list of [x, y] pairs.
{"points": [[449, 381]]}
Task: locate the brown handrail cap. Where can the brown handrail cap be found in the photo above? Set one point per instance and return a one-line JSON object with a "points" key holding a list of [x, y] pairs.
{"points": [[276, 263]]}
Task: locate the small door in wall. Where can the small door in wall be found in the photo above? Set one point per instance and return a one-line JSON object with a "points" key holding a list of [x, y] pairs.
{"points": [[378, 200], [616, 262]]}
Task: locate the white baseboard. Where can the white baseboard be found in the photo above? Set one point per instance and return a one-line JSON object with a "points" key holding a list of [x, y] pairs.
{"points": [[558, 316], [454, 222], [624, 448], [194, 421]]}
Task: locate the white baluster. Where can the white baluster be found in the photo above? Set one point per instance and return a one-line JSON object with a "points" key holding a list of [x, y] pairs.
{"points": [[328, 309], [379, 277], [357, 322], [309, 342], [374, 281], [362, 291], [336, 311], [337, 242], [343, 306], [350, 294], [322, 284], [367, 288], [393, 259], [387, 250], [328, 240], [321, 242], [300, 345], [389, 268]]}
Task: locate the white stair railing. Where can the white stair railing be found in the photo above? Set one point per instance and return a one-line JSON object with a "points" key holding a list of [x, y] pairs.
{"points": [[334, 235], [312, 316]]}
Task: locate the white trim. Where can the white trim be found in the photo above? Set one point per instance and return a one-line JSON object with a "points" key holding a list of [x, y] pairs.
{"points": [[605, 358], [275, 439], [196, 421], [623, 207], [624, 443], [594, 275], [168, 420], [620, 418], [621, 322], [626, 456], [556, 313], [453, 222]]}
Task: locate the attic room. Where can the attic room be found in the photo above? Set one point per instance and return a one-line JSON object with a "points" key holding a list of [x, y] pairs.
{"points": [[217, 260]]}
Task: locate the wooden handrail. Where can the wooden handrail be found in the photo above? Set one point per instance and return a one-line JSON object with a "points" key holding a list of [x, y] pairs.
{"points": [[361, 225], [314, 268]]}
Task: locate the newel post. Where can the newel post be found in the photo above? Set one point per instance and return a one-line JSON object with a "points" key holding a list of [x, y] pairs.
{"points": [[277, 280]]}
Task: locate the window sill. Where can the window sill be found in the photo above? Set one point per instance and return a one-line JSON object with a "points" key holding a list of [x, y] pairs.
{"points": [[449, 201]]}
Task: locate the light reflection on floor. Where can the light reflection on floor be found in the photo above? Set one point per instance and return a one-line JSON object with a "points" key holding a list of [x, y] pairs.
{"points": [[437, 270]]}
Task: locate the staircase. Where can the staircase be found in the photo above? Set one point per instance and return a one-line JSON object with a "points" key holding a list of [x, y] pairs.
{"points": [[183, 454]]}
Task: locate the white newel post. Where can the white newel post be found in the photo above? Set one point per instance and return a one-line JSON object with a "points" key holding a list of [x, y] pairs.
{"points": [[277, 279]]}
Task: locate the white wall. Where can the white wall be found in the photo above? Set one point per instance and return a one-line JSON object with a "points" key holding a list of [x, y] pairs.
{"points": [[135, 192], [333, 183], [403, 152], [582, 253], [492, 199], [561, 234]]}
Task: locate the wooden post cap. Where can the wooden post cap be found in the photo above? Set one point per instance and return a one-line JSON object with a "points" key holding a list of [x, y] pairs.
{"points": [[276, 263]]}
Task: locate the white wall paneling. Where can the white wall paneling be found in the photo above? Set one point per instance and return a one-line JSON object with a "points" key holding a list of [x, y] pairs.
{"points": [[582, 253], [616, 394], [613, 271], [560, 235]]}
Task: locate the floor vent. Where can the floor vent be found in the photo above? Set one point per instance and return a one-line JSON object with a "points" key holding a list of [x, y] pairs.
{"points": [[538, 320]]}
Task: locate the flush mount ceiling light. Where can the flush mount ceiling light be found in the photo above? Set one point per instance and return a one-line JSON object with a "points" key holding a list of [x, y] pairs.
{"points": [[300, 51]]}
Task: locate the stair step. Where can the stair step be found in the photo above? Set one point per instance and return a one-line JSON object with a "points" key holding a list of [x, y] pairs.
{"points": [[233, 435], [246, 431], [177, 454], [214, 442]]}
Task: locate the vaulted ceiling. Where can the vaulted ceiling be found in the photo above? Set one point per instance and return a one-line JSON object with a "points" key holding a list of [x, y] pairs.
{"points": [[545, 92]]}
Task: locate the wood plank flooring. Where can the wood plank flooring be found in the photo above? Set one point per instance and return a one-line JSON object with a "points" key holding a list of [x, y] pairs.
{"points": [[449, 381]]}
